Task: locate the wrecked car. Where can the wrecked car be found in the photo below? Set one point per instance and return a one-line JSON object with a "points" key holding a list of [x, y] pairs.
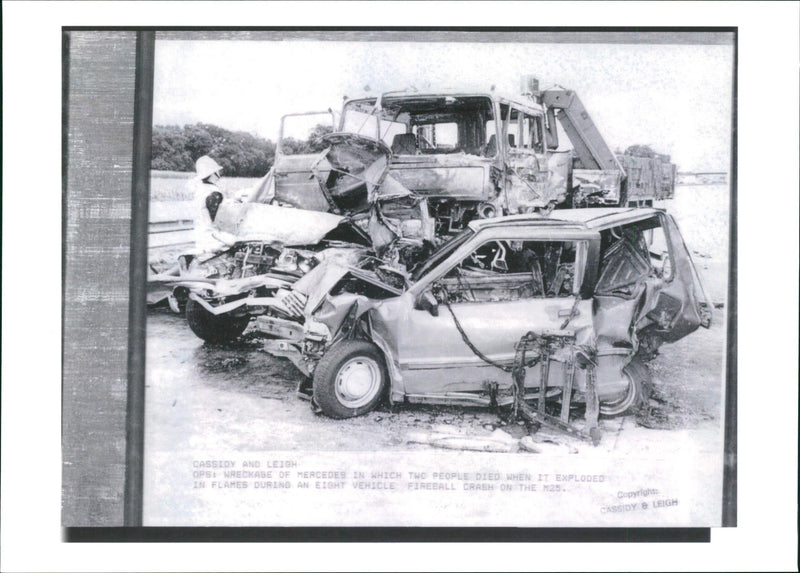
{"points": [[274, 246], [608, 285], [277, 243]]}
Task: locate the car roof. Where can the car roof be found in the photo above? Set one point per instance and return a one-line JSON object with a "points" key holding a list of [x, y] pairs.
{"points": [[593, 218], [605, 217]]}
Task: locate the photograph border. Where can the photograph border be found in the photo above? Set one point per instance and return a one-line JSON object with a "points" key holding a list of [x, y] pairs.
{"points": [[134, 447]]}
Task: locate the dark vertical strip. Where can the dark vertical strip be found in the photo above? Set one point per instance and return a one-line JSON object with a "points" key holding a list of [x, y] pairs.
{"points": [[729, 471], [142, 141], [64, 203]]}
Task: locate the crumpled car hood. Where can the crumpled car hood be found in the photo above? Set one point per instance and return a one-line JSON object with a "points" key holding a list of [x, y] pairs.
{"points": [[261, 222]]}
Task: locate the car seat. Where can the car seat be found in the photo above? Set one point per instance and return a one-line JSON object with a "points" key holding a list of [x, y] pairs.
{"points": [[404, 144]]}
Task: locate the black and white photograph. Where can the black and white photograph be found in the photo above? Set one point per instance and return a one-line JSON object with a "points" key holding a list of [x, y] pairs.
{"points": [[457, 292], [422, 279]]}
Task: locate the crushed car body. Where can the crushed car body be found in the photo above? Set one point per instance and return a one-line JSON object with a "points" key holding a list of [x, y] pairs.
{"points": [[277, 242], [287, 234], [273, 247], [609, 285]]}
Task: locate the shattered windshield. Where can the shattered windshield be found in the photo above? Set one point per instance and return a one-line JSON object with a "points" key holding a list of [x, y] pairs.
{"points": [[441, 253], [425, 124]]}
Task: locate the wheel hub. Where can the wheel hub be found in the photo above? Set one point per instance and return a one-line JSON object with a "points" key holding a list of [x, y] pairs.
{"points": [[357, 381]]}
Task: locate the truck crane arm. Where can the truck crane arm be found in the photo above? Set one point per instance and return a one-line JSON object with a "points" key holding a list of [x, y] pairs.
{"points": [[591, 150]]}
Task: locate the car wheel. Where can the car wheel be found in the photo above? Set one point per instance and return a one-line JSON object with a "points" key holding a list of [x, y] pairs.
{"points": [[213, 328], [350, 379], [638, 375]]}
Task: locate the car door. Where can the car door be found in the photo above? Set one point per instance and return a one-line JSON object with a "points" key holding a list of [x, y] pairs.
{"points": [[535, 177], [294, 164], [492, 305], [681, 306], [646, 282]]}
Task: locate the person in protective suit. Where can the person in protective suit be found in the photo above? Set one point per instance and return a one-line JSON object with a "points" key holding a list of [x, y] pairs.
{"points": [[208, 197]]}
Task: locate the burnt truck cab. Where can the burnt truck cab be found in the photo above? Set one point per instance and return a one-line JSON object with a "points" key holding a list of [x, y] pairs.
{"points": [[613, 284], [469, 155]]}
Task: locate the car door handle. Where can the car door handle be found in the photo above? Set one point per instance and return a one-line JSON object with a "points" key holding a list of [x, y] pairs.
{"points": [[565, 312]]}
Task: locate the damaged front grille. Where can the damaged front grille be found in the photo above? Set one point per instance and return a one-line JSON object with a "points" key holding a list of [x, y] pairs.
{"points": [[251, 260], [295, 303]]}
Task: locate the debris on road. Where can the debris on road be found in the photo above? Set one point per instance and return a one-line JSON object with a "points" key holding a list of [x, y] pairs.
{"points": [[497, 441]]}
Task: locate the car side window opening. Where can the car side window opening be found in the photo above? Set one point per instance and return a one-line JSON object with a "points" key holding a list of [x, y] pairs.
{"points": [[508, 270], [523, 131], [631, 253]]}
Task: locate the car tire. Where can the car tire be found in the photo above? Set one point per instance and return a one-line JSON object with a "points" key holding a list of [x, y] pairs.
{"points": [[213, 328], [638, 375], [350, 379]]}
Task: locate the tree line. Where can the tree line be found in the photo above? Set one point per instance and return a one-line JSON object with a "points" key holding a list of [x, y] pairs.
{"points": [[240, 154]]}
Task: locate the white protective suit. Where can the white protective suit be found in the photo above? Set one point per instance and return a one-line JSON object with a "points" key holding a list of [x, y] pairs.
{"points": [[207, 237]]}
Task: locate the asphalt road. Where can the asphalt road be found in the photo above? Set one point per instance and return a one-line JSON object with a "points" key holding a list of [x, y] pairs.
{"points": [[237, 397]]}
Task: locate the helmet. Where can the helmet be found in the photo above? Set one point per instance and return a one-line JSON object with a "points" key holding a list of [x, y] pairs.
{"points": [[205, 167]]}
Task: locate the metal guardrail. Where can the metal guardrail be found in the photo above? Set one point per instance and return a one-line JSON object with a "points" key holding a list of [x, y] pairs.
{"points": [[170, 234], [704, 178]]}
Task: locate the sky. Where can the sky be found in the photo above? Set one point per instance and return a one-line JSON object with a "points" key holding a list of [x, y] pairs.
{"points": [[675, 98]]}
